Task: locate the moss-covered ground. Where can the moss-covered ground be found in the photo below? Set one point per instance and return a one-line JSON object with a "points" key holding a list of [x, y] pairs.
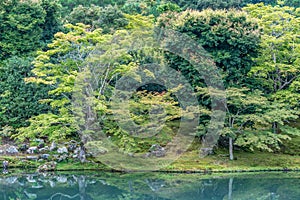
{"points": [[189, 162]]}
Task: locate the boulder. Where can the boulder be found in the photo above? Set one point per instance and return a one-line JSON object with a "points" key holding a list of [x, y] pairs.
{"points": [[72, 146], [12, 150], [62, 150], [62, 158], [23, 147], [44, 150], [5, 166], [53, 146], [49, 166], [205, 151], [157, 150], [41, 145], [32, 150], [32, 157], [44, 156]]}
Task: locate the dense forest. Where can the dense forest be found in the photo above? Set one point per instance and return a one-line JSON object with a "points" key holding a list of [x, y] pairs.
{"points": [[65, 62]]}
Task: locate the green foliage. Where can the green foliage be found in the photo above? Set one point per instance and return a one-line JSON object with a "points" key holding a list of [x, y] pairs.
{"points": [[146, 122], [109, 18], [278, 63], [56, 68], [68, 58], [278, 66], [68, 88], [222, 4], [292, 3], [52, 22], [71, 4], [203, 4], [25, 26], [20, 27], [229, 36], [19, 101], [149, 7], [249, 119], [85, 15]]}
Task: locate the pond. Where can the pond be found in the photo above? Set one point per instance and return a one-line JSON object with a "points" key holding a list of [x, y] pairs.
{"points": [[108, 186]]}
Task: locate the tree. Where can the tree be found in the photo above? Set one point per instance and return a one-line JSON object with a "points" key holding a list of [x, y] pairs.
{"points": [[19, 101], [229, 36], [57, 68], [20, 27], [85, 15], [53, 21], [292, 3], [218, 4], [148, 7], [278, 66], [109, 18], [67, 59], [69, 5], [248, 118]]}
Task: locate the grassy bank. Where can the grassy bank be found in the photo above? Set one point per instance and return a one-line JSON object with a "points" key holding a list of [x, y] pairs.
{"points": [[189, 162], [245, 161]]}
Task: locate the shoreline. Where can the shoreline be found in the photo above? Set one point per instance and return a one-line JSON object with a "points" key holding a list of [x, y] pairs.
{"points": [[188, 163]]}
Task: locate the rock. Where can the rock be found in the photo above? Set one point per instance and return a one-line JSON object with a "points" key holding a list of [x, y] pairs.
{"points": [[5, 166], [23, 147], [12, 150], [72, 146], [206, 151], [62, 150], [49, 166], [77, 150], [53, 146], [62, 158], [44, 156], [43, 150], [1, 151], [41, 145], [32, 157], [131, 154], [32, 150], [40, 160], [157, 151]]}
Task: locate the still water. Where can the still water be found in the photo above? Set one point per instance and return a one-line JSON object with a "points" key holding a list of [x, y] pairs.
{"points": [[108, 186]]}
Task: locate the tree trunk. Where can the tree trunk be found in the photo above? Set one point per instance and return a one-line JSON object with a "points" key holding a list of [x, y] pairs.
{"points": [[230, 148], [274, 126], [81, 155]]}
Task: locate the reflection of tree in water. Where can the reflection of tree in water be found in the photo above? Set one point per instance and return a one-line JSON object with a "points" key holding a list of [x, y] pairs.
{"points": [[82, 195], [34, 186], [114, 186]]}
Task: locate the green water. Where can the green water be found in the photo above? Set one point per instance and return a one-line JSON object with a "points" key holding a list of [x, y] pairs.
{"points": [[107, 186]]}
